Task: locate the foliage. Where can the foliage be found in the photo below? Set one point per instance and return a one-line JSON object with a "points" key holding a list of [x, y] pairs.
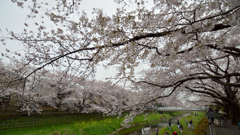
{"points": [[72, 93], [202, 126], [189, 50]]}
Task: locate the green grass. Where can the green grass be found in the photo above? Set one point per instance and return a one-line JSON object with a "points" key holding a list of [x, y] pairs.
{"points": [[196, 120], [150, 118], [91, 127], [102, 127], [79, 128], [45, 120], [43, 130], [203, 124]]}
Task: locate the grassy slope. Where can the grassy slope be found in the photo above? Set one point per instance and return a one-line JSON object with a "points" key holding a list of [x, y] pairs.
{"points": [[150, 119], [203, 124], [92, 127], [197, 122]]}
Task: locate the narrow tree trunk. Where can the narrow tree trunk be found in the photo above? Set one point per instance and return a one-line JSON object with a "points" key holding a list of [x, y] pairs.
{"points": [[226, 110], [101, 116]]}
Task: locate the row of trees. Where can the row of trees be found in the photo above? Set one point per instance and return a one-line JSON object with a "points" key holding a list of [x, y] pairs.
{"points": [[62, 91], [189, 47]]}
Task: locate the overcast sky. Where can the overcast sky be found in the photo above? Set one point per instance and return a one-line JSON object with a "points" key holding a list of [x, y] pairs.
{"points": [[13, 18]]}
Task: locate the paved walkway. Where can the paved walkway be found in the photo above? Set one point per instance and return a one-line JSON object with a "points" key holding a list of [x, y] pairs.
{"points": [[228, 130]]}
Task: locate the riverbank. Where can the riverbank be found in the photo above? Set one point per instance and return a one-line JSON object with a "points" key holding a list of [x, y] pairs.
{"points": [[198, 122], [93, 127], [148, 127]]}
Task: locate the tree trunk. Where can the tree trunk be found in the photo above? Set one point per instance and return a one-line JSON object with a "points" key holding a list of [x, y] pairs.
{"points": [[101, 116], [234, 112], [226, 110]]}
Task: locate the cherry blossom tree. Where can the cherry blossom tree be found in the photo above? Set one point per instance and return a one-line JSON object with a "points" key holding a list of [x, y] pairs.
{"points": [[224, 90], [209, 80], [64, 92], [178, 41]]}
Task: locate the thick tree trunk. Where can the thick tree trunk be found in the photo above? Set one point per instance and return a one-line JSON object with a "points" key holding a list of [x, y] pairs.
{"points": [[233, 104], [235, 113]]}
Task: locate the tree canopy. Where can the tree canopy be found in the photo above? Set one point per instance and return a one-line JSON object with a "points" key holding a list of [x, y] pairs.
{"points": [[185, 47]]}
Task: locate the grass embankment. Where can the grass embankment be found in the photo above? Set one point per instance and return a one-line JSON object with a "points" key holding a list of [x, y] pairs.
{"points": [[200, 123], [8, 121], [101, 127]]}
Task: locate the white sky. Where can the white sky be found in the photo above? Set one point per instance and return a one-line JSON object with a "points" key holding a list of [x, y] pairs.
{"points": [[13, 18]]}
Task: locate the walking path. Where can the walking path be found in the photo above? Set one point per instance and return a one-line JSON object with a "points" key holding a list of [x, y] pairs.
{"points": [[228, 130]]}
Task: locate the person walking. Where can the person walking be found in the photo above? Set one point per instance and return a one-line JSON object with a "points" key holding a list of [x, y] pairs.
{"points": [[181, 128], [191, 124], [169, 125], [156, 130], [178, 123], [216, 118], [222, 118], [186, 121], [211, 113]]}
